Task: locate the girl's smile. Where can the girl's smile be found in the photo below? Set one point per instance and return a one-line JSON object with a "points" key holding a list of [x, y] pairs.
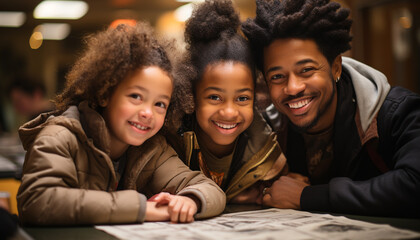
{"points": [[136, 110], [224, 103]]}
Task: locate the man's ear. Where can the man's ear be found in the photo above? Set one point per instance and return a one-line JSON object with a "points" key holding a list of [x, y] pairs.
{"points": [[336, 68]]}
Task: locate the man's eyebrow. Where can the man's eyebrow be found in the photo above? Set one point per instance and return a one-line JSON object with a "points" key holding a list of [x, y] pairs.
{"points": [[301, 62], [273, 69], [307, 60]]}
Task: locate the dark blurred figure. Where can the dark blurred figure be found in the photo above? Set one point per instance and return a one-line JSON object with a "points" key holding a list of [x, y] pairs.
{"points": [[28, 97], [8, 222]]}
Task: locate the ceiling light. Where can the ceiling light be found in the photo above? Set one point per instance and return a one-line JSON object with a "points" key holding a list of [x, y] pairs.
{"points": [[184, 12], [60, 10], [12, 19], [53, 31]]}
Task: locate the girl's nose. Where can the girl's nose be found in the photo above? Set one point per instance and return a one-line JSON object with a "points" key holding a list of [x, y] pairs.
{"points": [[229, 111], [146, 112]]}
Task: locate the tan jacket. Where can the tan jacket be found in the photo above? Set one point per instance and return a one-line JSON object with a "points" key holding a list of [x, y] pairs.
{"points": [[260, 157], [68, 177]]}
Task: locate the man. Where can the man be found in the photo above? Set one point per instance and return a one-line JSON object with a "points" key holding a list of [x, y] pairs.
{"points": [[342, 125]]}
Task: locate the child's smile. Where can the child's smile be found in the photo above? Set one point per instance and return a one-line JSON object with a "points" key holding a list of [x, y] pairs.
{"points": [[224, 100], [137, 108]]}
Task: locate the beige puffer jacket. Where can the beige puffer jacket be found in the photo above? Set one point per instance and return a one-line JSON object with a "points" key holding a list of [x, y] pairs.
{"points": [[69, 179]]}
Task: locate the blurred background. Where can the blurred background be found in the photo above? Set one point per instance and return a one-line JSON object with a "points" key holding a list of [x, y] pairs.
{"points": [[40, 40]]}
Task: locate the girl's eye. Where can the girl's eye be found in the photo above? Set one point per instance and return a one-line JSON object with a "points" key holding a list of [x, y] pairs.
{"points": [[136, 96], [214, 97], [243, 98], [161, 105]]}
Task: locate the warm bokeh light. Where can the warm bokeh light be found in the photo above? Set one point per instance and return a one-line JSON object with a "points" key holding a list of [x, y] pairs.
{"points": [[115, 23], [36, 40], [405, 22]]}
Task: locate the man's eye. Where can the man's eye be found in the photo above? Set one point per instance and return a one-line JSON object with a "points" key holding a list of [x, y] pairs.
{"points": [[277, 78], [308, 69]]}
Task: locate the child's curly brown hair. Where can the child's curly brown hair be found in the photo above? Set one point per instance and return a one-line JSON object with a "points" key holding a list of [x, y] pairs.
{"points": [[110, 56]]}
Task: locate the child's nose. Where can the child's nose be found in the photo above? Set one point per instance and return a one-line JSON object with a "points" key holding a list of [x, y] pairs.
{"points": [[229, 111], [146, 112]]}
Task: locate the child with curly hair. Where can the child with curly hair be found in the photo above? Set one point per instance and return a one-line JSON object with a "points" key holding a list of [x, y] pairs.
{"points": [[99, 156], [223, 135]]}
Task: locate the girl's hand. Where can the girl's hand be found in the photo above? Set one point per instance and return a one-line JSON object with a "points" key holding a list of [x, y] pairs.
{"points": [[181, 209], [155, 213]]}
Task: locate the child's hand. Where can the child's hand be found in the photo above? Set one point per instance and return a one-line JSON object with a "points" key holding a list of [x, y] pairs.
{"points": [[155, 213], [181, 209]]}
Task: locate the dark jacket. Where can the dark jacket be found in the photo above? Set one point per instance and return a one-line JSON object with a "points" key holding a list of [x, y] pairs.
{"points": [[376, 165]]}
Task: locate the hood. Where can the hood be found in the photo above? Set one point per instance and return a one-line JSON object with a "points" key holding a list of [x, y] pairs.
{"points": [[30, 130], [371, 88], [76, 119]]}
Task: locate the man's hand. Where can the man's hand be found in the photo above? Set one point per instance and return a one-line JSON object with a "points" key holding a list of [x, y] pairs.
{"points": [[284, 193]]}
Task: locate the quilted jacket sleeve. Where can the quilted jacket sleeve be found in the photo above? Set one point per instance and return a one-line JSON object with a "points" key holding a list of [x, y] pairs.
{"points": [[52, 192], [172, 175]]}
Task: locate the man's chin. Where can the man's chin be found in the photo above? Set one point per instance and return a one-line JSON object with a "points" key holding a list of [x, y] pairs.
{"points": [[304, 127]]}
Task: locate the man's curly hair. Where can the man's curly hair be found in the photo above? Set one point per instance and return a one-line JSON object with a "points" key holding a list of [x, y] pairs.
{"points": [[110, 56], [323, 21]]}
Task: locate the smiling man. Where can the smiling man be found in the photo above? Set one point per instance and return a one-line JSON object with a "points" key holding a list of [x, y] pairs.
{"points": [[357, 139]]}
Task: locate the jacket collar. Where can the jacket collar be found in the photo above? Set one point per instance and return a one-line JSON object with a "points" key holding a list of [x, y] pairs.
{"points": [[94, 126]]}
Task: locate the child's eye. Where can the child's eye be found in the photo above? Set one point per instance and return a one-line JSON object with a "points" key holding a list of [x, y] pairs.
{"points": [[243, 98], [214, 97], [136, 96], [161, 105]]}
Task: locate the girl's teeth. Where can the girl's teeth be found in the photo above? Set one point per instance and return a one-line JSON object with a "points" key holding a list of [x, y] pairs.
{"points": [[299, 104], [139, 126], [226, 126]]}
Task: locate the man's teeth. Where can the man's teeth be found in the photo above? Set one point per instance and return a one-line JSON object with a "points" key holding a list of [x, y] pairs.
{"points": [[299, 104], [139, 126], [226, 126]]}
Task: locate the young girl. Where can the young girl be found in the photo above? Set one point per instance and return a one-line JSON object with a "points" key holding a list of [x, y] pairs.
{"points": [[88, 162], [225, 137]]}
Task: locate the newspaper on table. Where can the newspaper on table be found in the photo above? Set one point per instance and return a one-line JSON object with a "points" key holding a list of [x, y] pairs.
{"points": [[266, 224]]}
